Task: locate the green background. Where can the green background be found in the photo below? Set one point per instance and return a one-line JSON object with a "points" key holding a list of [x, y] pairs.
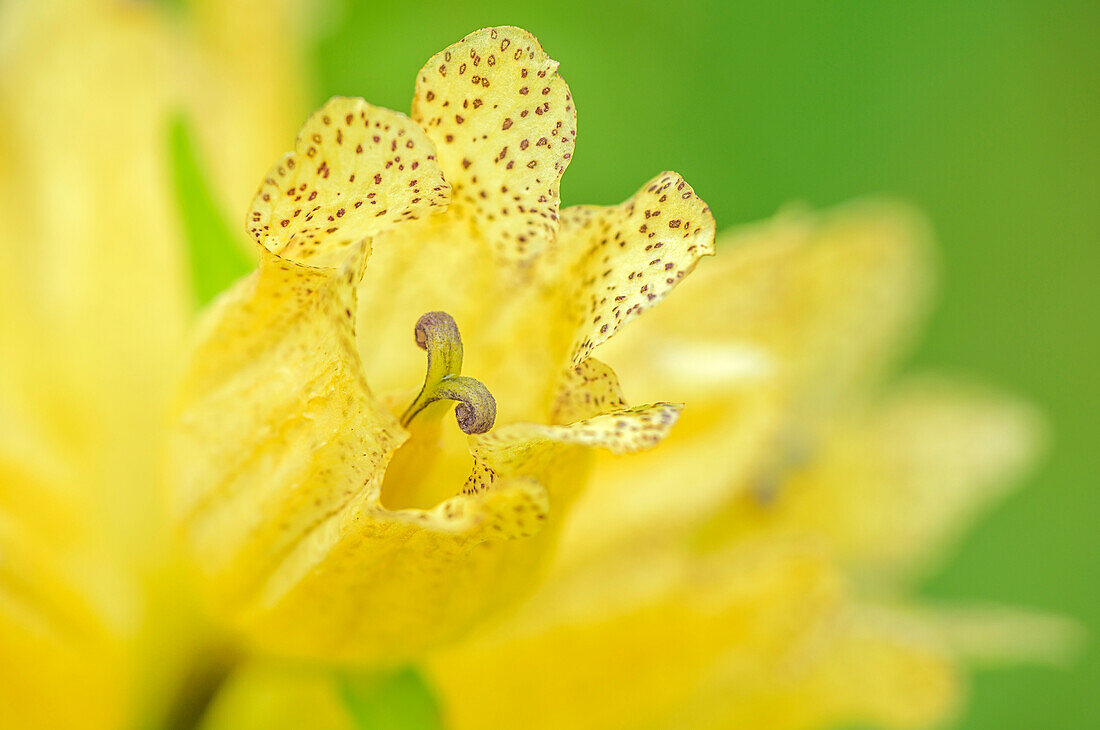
{"points": [[985, 114]]}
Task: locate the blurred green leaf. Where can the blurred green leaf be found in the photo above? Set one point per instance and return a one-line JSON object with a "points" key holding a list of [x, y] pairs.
{"points": [[215, 253], [401, 700]]}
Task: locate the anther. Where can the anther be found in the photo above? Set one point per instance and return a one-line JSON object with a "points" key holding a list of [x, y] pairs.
{"points": [[437, 334]]}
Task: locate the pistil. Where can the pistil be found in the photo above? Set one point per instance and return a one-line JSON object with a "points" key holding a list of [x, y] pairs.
{"points": [[476, 409]]}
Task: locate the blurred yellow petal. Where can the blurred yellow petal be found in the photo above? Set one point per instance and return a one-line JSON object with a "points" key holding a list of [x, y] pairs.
{"points": [[758, 634], [668, 492], [254, 52], [94, 308], [622, 643], [505, 125], [860, 665], [88, 90], [891, 486], [66, 610]]}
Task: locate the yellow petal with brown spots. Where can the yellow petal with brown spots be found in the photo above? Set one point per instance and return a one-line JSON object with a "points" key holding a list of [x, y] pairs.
{"points": [[624, 259], [589, 389], [557, 456], [357, 170], [504, 123], [428, 576], [620, 432], [280, 448]]}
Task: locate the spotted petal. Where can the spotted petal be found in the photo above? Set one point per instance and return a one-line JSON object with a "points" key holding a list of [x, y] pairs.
{"points": [[587, 390], [619, 261], [357, 170], [504, 123]]}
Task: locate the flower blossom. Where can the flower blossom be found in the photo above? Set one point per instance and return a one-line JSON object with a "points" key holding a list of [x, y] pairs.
{"points": [[330, 519]]}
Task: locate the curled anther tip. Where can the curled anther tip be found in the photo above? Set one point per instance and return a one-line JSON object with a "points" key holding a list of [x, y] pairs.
{"points": [[436, 327], [437, 333], [476, 411]]}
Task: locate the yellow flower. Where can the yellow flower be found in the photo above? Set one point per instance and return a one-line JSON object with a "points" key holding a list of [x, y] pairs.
{"points": [[319, 523], [745, 573]]}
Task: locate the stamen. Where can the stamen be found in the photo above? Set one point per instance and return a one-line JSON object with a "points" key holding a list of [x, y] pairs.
{"points": [[437, 333]]}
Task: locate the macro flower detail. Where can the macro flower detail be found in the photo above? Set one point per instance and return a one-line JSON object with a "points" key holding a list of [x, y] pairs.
{"points": [[368, 460], [325, 521]]}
